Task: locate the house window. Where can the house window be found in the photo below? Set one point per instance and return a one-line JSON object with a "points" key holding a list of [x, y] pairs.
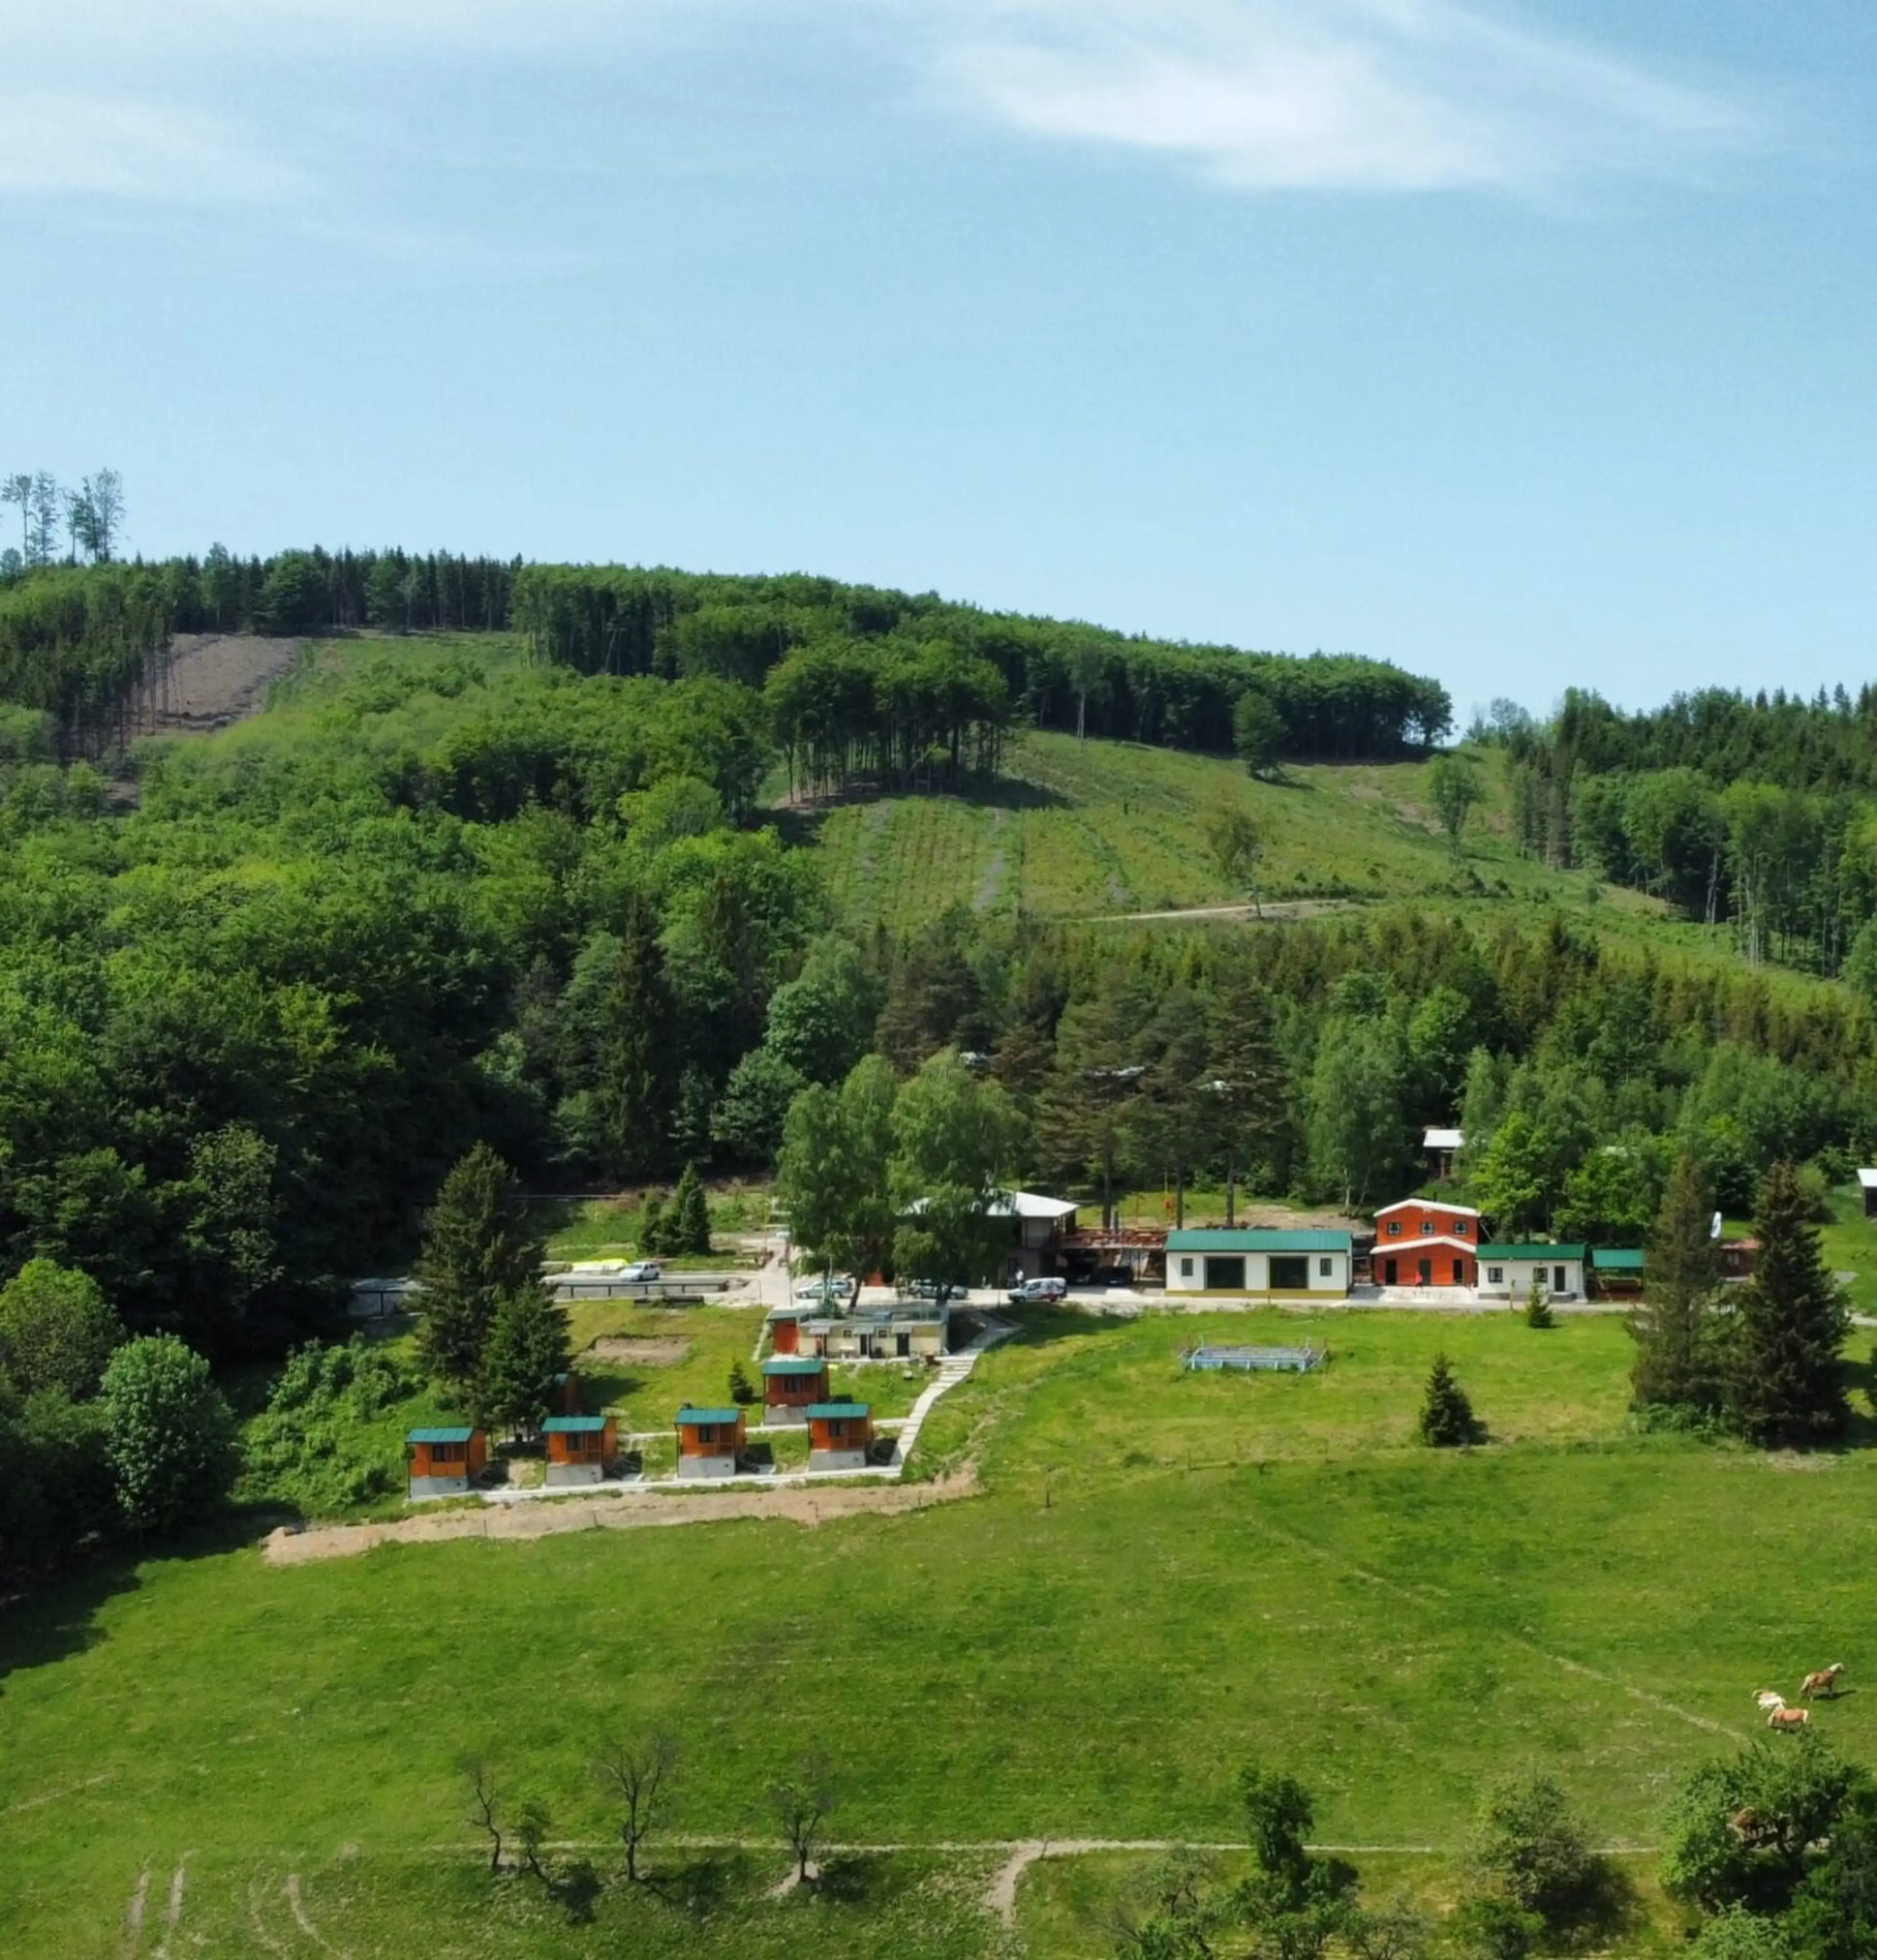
{"points": [[1224, 1275], [1495, 1275], [1186, 1269], [1289, 1275], [1394, 1228], [1459, 1228], [1325, 1268], [1427, 1228]]}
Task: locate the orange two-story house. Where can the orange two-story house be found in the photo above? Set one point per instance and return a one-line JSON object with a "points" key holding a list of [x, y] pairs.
{"points": [[1420, 1242]]}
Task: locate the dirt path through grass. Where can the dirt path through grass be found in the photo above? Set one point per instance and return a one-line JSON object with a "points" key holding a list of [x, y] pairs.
{"points": [[626, 1511]]}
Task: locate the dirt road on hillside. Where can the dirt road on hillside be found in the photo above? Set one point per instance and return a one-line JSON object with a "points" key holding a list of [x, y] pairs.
{"points": [[622, 1511]]}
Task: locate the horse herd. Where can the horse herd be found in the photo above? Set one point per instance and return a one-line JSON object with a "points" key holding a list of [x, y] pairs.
{"points": [[1824, 1682]]}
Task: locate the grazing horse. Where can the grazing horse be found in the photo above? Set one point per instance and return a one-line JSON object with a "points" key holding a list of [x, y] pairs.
{"points": [[1825, 1681], [1789, 1718], [1770, 1697]]}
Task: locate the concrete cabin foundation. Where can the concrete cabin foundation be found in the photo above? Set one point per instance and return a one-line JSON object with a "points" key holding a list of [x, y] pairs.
{"points": [[439, 1486], [704, 1467], [559, 1474]]}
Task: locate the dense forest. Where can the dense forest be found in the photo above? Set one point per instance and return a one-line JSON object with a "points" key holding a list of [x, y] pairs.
{"points": [[904, 688]]}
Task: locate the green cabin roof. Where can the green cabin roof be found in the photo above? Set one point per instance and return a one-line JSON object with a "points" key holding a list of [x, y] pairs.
{"points": [[1261, 1239], [691, 1418], [573, 1425], [792, 1364], [462, 1435], [1617, 1259], [839, 1409], [1511, 1255]]}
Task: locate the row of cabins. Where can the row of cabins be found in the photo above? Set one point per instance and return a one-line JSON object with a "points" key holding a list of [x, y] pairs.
{"points": [[712, 1442], [444, 1462]]}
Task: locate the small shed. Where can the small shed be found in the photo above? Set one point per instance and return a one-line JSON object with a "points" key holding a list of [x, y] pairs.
{"points": [[1867, 1184], [709, 1440], [785, 1324], [580, 1447], [1510, 1272], [1739, 1258], [839, 1435], [1441, 1147], [791, 1382], [441, 1462], [1618, 1270]]}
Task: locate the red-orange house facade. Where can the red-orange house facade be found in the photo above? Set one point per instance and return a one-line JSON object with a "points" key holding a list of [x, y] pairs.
{"points": [[1422, 1242]]}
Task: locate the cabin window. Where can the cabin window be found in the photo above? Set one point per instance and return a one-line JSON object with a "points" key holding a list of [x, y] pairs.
{"points": [[836, 1430], [1495, 1275], [1394, 1228], [1325, 1268], [448, 1452], [1186, 1269], [706, 1432]]}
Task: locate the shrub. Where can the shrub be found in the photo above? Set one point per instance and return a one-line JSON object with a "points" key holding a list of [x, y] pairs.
{"points": [[1538, 1306], [57, 1330], [169, 1434], [314, 1447], [1447, 1420], [1529, 1847]]}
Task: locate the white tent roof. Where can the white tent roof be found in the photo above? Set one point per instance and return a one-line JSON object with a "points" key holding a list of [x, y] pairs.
{"points": [[1443, 1140], [1867, 1178]]}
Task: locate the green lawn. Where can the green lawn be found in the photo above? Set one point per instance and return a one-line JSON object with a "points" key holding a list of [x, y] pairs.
{"points": [[1091, 1648]]}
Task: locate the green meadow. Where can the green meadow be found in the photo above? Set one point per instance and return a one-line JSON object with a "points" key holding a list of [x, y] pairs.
{"points": [[1164, 1575]]}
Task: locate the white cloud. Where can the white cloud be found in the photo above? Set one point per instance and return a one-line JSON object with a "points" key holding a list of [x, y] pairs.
{"points": [[60, 142], [1379, 95]]}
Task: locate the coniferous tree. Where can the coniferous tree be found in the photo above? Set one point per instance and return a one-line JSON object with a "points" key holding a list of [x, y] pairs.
{"points": [[527, 1349], [690, 1223], [1672, 1325], [636, 1078], [652, 1227], [1784, 1389], [1447, 1420], [480, 1250]]}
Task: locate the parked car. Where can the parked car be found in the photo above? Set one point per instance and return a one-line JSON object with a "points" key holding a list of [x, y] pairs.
{"points": [[836, 1285], [929, 1289], [642, 1270], [1033, 1291]]}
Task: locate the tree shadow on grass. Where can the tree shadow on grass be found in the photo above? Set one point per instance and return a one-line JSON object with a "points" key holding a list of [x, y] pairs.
{"points": [[1044, 1324], [850, 1878], [702, 1886], [576, 1889], [47, 1617]]}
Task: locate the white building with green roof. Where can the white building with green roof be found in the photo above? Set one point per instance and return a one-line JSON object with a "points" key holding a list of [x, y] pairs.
{"points": [[1309, 1265]]}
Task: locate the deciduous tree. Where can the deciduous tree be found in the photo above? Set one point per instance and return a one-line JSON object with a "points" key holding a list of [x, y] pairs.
{"points": [[170, 1433]]}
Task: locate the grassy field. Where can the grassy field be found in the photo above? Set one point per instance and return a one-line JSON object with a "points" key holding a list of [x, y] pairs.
{"points": [[1086, 829], [1165, 1576]]}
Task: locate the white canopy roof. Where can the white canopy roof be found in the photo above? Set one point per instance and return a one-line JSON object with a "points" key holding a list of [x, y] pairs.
{"points": [[1867, 1178], [1443, 1140]]}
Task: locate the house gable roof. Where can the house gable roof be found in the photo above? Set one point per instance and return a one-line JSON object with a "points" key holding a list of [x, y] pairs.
{"points": [[1259, 1239], [1427, 1205]]}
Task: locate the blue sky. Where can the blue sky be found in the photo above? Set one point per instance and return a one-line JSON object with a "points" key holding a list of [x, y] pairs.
{"points": [[1520, 344]]}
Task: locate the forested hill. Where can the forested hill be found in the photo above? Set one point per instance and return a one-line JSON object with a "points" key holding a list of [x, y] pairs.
{"points": [[840, 662]]}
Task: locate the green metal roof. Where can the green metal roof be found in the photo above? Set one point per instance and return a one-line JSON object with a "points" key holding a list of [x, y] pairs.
{"points": [[791, 1364], [462, 1435], [1617, 1259], [573, 1425], [689, 1418], [839, 1409], [1510, 1254], [1261, 1240]]}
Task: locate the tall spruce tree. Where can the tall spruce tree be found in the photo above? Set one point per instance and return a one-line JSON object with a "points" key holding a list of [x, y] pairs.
{"points": [[637, 1079], [480, 1249], [527, 1349], [1784, 1389], [1447, 1421], [1676, 1364], [689, 1228]]}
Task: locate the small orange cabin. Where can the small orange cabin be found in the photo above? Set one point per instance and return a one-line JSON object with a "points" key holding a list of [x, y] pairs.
{"points": [[442, 1461], [785, 1327], [709, 1440], [580, 1447], [791, 1384], [838, 1429], [1422, 1242]]}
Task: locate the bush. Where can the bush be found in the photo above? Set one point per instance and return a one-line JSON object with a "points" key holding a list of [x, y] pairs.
{"points": [[312, 1448], [1529, 1848], [169, 1434], [57, 1330], [1739, 1935], [1447, 1420]]}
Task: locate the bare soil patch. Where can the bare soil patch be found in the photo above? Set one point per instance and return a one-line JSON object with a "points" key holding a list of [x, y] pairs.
{"points": [[216, 679], [642, 1350], [623, 1511]]}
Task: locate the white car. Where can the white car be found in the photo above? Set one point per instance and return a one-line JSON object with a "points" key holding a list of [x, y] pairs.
{"points": [[642, 1269], [837, 1286], [1032, 1291]]}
